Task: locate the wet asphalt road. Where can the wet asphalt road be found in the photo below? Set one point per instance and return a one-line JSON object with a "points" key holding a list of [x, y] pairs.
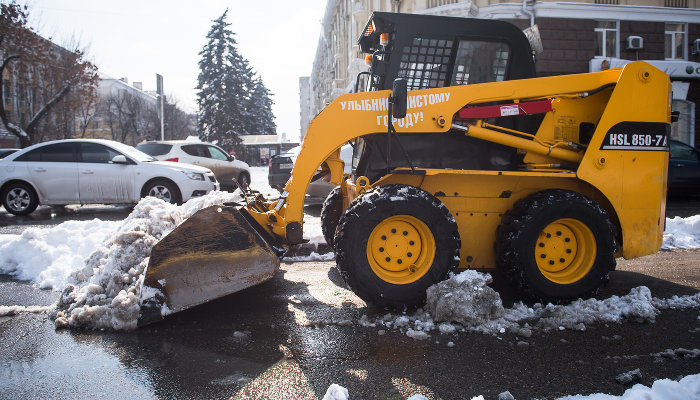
{"points": [[267, 342]]}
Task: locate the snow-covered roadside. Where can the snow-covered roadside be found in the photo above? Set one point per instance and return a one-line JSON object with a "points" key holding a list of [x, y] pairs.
{"points": [[98, 268], [100, 277], [687, 388], [682, 233], [464, 303]]}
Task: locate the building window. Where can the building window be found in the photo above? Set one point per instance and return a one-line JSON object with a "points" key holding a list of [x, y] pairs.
{"points": [[606, 38], [675, 41], [7, 91], [676, 3]]}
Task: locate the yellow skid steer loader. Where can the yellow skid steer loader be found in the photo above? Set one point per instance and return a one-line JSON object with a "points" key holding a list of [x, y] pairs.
{"points": [[548, 179]]}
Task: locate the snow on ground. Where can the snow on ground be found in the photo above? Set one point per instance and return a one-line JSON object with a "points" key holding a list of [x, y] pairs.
{"points": [[48, 256], [99, 266], [687, 388], [682, 233], [464, 303]]}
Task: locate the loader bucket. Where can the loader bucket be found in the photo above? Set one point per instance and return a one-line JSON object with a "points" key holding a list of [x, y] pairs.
{"points": [[215, 252]]}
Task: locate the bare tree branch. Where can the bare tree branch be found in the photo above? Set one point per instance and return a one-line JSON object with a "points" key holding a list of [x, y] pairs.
{"points": [[46, 108]]}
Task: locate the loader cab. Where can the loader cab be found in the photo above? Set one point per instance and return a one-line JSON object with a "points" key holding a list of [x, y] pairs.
{"points": [[432, 52]]}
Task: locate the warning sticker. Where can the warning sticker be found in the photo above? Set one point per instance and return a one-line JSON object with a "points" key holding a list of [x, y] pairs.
{"points": [[509, 110]]}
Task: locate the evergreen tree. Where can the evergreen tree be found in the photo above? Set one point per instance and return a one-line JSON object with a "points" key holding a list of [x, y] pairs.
{"points": [[260, 107], [225, 82]]}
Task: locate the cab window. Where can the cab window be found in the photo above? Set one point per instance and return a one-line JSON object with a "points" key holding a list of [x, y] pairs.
{"points": [[480, 62], [424, 64]]}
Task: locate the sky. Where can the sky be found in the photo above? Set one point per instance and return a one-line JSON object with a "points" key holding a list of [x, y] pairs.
{"points": [[138, 39]]}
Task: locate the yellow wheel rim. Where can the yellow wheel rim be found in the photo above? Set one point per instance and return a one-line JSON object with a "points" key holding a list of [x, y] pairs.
{"points": [[565, 251], [401, 249]]}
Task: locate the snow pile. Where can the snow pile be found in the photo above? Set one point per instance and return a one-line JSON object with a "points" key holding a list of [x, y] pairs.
{"points": [[465, 298], [682, 233], [336, 392], [106, 292], [47, 256], [628, 377], [678, 302], [688, 388], [465, 303], [6, 311]]}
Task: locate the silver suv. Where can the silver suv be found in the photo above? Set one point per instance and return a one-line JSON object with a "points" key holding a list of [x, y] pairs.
{"points": [[225, 167]]}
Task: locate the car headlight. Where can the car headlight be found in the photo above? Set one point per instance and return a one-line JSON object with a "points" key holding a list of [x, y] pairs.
{"points": [[196, 176]]}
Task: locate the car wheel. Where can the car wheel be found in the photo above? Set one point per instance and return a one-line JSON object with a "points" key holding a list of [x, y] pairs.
{"points": [[330, 214], [163, 190], [19, 199], [556, 245], [243, 180], [394, 242]]}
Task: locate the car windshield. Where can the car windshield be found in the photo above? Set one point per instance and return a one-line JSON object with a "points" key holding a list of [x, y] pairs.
{"points": [[132, 152]]}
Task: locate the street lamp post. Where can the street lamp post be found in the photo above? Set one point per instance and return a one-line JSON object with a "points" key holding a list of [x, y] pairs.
{"points": [[159, 89]]}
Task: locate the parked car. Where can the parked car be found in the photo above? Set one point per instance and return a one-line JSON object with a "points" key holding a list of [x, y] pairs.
{"points": [[6, 152], [225, 166], [281, 169], [82, 171], [684, 169]]}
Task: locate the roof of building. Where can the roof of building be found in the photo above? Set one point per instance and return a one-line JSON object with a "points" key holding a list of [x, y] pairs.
{"points": [[260, 139]]}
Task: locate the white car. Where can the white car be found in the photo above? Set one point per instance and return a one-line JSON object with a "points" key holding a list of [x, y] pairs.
{"points": [[87, 171], [281, 168], [225, 166]]}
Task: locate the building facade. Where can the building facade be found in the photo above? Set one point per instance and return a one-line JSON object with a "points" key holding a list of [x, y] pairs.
{"points": [[123, 112], [577, 37], [28, 87]]}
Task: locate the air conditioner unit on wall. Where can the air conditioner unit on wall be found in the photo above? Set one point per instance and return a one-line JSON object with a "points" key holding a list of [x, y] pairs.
{"points": [[634, 42]]}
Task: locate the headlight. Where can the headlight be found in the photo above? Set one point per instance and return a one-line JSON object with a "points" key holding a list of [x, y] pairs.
{"points": [[194, 175]]}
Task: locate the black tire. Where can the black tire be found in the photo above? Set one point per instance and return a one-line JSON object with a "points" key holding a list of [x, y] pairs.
{"points": [[558, 229], [330, 214], [163, 190], [19, 198], [380, 208]]}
